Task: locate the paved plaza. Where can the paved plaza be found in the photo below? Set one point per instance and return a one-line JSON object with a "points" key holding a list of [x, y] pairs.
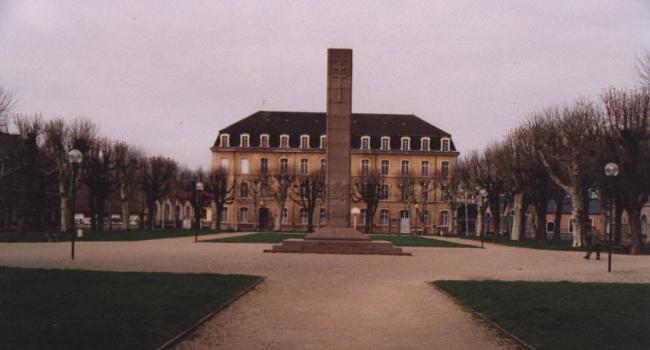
{"points": [[318, 301]]}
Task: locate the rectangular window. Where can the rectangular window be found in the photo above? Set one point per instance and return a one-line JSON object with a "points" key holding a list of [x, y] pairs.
{"points": [[304, 141], [550, 226], [264, 165], [243, 165], [304, 215], [425, 217], [406, 144], [284, 165], [383, 195], [444, 218], [405, 194], [385, 167], [304, 166], [224, 163], [405, 167], [225, 141], [425, 168], [425, 194], [243, 215], [444, 169], [284, 217], [383, 219], [224, 214], [243, 190], [365, 166], [363, 217], [323, 166], [322, 217], [445, 145]]}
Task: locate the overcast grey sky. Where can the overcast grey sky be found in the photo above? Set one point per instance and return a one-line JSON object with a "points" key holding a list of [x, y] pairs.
{"points": [[167, 75]]}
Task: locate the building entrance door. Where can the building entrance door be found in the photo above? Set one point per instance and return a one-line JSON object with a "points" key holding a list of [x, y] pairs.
{"points": [[404, 222], [263, 219]]}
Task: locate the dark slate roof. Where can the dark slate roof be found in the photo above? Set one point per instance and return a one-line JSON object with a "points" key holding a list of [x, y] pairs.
{"points": [[313, 124], [594, 206]]}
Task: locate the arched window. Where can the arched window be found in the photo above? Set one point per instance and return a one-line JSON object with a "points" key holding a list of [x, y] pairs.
{"points": [[445, 144], [225, 140], [385, 143], [406, 143], [244, 140], [365, 143], [264, 140], [425, 144], [304, 141], [284, 141], [323, 141]]}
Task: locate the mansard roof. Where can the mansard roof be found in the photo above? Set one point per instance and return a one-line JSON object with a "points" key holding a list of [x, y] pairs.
{"points": [[313, 124]]}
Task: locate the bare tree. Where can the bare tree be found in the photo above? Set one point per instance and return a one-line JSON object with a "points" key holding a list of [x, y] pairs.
{"points": [[643, 69], [128, 160], [281, 190], [222, 188], [308, 193], [59, 139], [571, 135], [156, 179], [7, 101], [99, 174], [369, 188], [259, 189], [628, 144]]}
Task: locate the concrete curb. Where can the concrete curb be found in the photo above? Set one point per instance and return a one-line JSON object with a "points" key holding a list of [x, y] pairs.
{"points": [[192, 328], [483, 317]]}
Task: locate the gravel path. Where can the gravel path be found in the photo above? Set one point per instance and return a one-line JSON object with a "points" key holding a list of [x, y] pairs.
{"points": [[317, 301]]}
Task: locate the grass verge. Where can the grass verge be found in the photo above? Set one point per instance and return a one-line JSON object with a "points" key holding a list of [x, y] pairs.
{"points": [[413, 241], [75, 309], [131, 235], [562, 315], [264, 237]]}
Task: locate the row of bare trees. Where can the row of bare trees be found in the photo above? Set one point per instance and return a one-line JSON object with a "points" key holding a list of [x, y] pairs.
{"points": [[561, 151]]}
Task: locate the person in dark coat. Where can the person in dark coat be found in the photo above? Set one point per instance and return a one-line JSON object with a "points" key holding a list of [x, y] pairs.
{"points": [[594, 244]]}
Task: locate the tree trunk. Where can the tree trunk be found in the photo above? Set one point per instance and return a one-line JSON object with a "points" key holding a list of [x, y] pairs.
{"points": [[577, 214], [150, 216], [218, 216], [540, 231], [634, 218], [479, 223], [557, 221], [277, 221], [64, 203], [100, 214], [310, 220], [125, 214], [518, 217]]}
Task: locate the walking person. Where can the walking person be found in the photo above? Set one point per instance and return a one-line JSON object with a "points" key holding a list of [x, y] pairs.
{"points": [[594, 243]]}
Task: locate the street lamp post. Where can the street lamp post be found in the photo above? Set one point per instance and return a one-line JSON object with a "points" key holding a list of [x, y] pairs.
{"points": [[197, 214], [611, 171], [74, 158], [484, 195]]}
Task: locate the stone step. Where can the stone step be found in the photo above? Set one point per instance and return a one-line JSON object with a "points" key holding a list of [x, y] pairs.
{"points": [[337, 247]]}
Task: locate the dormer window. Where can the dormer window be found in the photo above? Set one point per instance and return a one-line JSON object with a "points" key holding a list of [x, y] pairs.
{"points": [[323, 141], [244, 140], [444, 144], [365, 142], [385, 143], [225, 140], [264, 141], [425, 144], [304, 141], [406, 143], [284, 141]]}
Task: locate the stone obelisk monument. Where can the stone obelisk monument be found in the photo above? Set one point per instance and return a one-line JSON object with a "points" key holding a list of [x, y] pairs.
{"points": [[337, 236]]}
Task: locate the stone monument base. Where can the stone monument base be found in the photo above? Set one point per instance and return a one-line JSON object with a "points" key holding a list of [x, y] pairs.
{"points": [[336, 240]]}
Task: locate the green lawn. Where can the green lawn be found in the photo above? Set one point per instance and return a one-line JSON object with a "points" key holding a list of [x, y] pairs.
{"points": [[562, 315], [552, 244], [131, 235], [265, 237], [75, 309], [413, 241], [402, 241]]}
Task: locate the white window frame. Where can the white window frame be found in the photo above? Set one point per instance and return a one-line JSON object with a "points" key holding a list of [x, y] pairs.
{"points": [[323, 141], [408, 167], [445, 222], [268, 140], [365, 143], [244, 166], [241, 187], [226, 138], [428, 167], [445, 141], [381, 217], [387, 192], [304, 170], [282, 137], [304, 144], [381, 146], [284, 216], [323, 165], [322, 216], [304, 219], [243, 137], [361, 167], [442, 167], [242, 219], [286, 170], [224, 214], [224, 163], [428, 142], [387, 167], [408, 143]]}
